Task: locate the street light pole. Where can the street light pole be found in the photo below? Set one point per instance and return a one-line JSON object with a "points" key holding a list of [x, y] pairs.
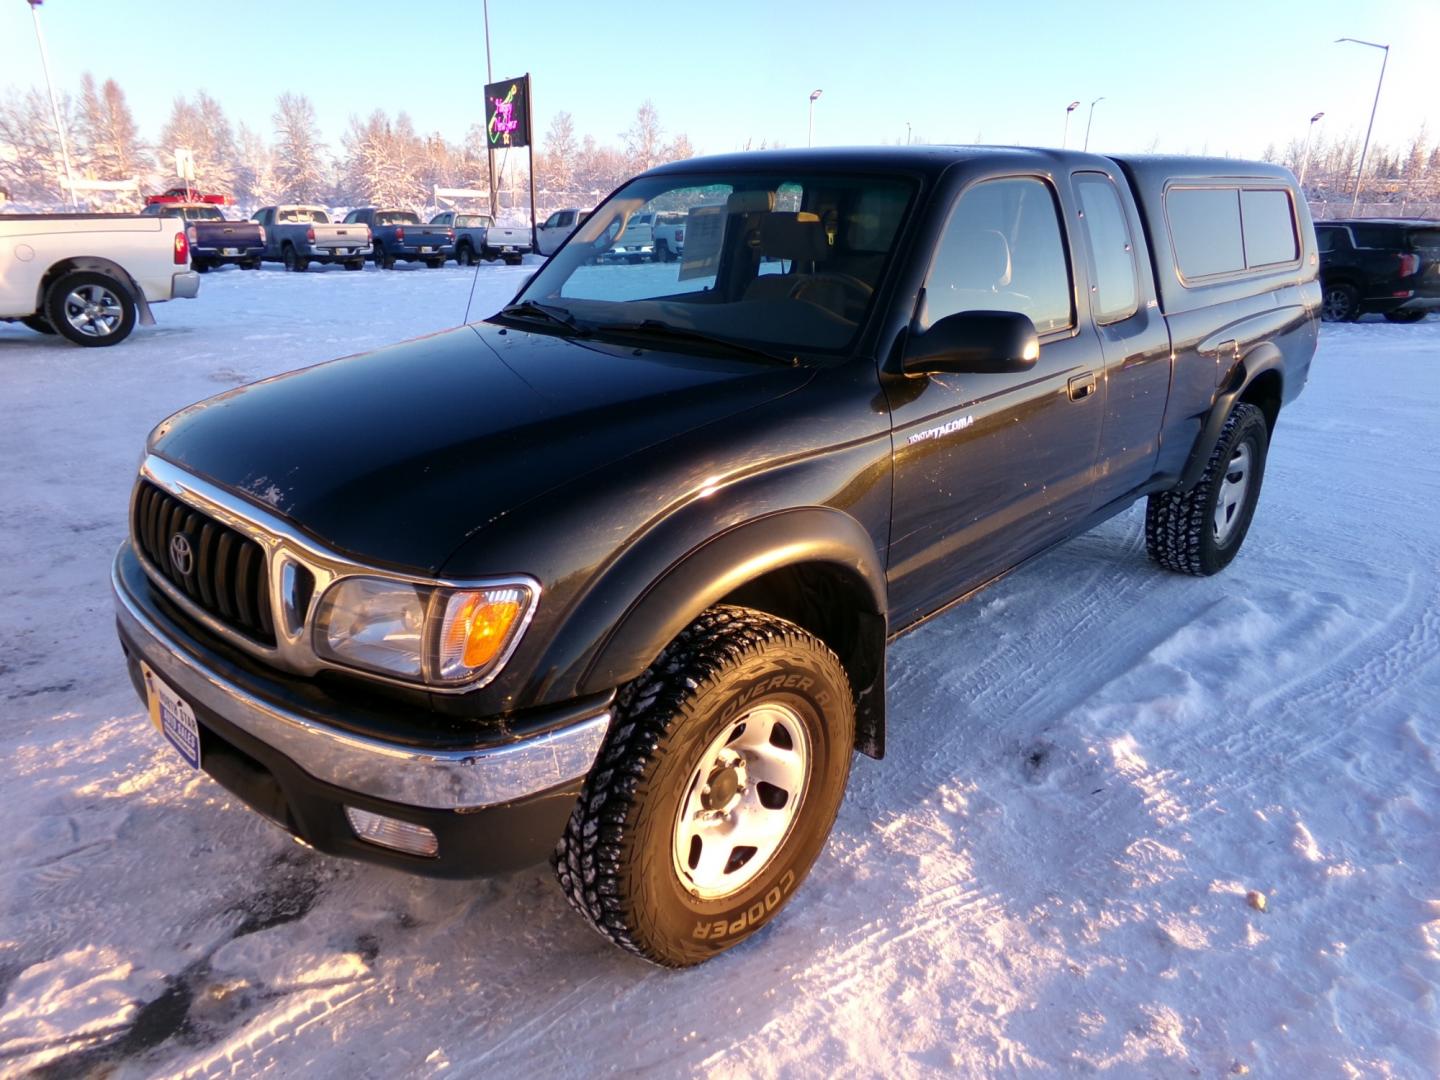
{"points": [[810, 139], [1090, 121], [1065, 139], [54, 103], [1305, 156], [1355, 197], [489, 150]]}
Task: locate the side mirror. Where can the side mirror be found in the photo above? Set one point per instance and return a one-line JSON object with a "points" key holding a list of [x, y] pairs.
{"points": [[974, 343]]}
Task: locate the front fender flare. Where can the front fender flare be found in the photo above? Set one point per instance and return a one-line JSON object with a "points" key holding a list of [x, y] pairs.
{"points": [[740, 555]]}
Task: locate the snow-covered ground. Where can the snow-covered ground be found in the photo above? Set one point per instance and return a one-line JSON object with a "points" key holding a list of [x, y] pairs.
{"points": [[1090, 767]]}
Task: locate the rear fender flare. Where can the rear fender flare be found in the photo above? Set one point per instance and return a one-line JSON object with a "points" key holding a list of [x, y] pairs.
{"points": [[1261, 358], [99, 265]]}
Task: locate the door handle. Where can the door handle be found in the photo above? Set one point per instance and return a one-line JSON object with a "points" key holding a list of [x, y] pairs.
{"points": [[1082, 386]]}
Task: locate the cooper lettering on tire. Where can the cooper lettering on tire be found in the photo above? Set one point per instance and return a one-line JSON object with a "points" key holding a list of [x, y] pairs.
{"points": [[716, 789]]}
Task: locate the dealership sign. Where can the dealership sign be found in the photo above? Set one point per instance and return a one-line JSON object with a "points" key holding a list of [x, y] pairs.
{"points": [[507, 113]]}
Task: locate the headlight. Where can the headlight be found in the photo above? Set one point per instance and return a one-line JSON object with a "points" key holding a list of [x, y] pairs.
{"points": [[436, 635]]}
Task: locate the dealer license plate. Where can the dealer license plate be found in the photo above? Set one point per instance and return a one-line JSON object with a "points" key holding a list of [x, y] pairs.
{"points": [[229, 251], [172, 716]]}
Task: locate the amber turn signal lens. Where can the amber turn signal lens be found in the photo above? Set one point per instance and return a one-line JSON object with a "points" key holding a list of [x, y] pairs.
{"points": [[477, 628]]}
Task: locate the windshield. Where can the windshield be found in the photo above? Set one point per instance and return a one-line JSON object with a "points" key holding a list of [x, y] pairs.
{"points": [[396, 217], [789, 259], [302, 215]]}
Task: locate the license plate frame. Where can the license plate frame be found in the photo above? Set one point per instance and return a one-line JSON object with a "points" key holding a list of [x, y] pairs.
{"points": [[172, 716]]}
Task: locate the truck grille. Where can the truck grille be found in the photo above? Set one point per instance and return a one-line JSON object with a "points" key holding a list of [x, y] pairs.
{"points": [[226, 572]]}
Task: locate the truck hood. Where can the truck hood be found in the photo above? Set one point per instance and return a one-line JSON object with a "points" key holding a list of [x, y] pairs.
{"points": [[398, 456]]}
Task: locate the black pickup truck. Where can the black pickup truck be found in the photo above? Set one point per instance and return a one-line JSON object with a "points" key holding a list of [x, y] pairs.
{"points": [[215, 240], [611, 573], [398, 234], [1385, 265]]}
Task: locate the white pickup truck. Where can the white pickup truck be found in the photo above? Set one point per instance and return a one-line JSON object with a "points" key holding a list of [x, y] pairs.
{"points": [[556, 229], [91, 277]]}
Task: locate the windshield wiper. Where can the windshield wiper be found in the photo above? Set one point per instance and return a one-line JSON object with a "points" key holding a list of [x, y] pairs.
{"points": [[656, 328], [532, 309]]}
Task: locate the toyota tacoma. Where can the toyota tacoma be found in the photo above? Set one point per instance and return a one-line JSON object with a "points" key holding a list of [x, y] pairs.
{"points": [[610, 574]]}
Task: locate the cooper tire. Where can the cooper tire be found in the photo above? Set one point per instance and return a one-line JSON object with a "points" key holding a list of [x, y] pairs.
{"points": [[90, 309], [637, 863], [1340, 303], [1199, 531]]}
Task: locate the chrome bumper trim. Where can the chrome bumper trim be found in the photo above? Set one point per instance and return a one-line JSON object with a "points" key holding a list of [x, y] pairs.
{"points": [[434, 779]]}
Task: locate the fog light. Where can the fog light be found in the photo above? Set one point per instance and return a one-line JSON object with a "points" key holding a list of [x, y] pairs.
{"points": [[392, 832]]}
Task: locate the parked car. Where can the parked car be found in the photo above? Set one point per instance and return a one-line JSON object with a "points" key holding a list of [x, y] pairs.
{"points": [[478, 237], [215, 240], [669, 236], [1385, 265], [557, 228], [91, 277], [399, 234], [187, 195], [612, 573], [298, 235], [636, 241]]}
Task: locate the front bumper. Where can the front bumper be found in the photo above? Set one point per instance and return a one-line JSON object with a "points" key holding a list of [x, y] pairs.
{"points": [[493, 805]]}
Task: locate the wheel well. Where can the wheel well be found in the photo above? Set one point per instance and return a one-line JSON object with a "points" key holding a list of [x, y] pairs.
{"points": [[65, 266], [1264, 392], [836, 606]]}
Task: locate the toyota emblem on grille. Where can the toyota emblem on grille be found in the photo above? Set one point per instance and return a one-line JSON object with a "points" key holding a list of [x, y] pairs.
{"points": [[182, 558]]}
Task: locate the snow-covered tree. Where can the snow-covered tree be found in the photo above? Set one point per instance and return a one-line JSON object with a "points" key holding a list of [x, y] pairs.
{"points": [[255, 181], [106, 137], [299, 165], [31, 165], [560, 151], [200, 127], [644, 147]]}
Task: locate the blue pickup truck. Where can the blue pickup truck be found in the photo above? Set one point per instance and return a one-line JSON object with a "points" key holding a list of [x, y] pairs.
{"points": [[298, 235], [399, 234]]}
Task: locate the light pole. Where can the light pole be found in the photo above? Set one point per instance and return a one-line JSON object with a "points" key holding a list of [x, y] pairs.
{"points": [[489, 149], [54, 104], [1090, 120], [1305, 154], [1355, 198], [1065, 139], [810, 139], [907, 132]]}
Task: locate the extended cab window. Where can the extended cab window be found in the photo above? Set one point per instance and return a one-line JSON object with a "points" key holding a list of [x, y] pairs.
{"points": [[1268, 222], [1115, 291], [1205, 229], [1002, 251]]}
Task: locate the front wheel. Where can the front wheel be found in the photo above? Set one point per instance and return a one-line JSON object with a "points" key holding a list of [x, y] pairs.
{"points": [[1199, 531], [715, 791], [1406, 315], [90, 308]]}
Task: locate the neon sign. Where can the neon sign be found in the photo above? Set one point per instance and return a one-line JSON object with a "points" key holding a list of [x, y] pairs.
{"points": [[507, 113]]}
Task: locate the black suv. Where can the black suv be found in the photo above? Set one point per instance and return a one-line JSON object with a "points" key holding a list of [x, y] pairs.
{"points": [[611, 573], [1385, 265]]}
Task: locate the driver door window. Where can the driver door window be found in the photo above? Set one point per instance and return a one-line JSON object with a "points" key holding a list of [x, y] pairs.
{"points": [[1002, 251]]}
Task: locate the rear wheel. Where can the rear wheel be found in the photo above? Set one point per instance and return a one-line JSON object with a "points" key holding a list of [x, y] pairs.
{"points": [[1406, 315], [512, 260], [382, 261], [294, 261], [355, 264], [1199, 531], [465, 255], [715, 791], [202, 267], [90, 308], [38, 323], [1341, 303], [435, 264], [250, 264]]}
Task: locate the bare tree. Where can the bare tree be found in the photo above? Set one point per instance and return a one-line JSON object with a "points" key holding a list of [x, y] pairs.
{"points": [[558, 173]]}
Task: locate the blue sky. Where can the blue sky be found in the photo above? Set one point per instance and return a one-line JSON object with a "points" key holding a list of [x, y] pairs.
{"points": [[1216, 76]]}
